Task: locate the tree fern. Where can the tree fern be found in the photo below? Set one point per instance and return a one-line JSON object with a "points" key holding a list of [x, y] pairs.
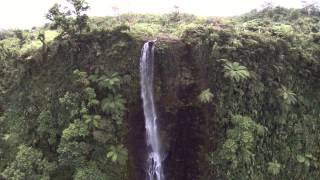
{"points": [[235, 71], [288, 96], [205, 96]]}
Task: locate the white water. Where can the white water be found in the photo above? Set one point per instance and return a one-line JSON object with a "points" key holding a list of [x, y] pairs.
{"points": [[154, 164]]}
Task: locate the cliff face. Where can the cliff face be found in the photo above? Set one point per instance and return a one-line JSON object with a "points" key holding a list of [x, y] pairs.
{"points": [[176, 91], [196, 134]]}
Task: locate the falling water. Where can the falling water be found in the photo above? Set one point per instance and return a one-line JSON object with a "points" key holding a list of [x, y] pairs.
{"points": [[154, 164]]}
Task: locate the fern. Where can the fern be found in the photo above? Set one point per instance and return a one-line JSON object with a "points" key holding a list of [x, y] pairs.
{"points": [[118, 154], [274, 168], [287, 95], [205, 96], [235, 71]]}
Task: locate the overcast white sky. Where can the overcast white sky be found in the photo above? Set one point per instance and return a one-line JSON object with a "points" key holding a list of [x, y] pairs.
{"points": [[28, 13]]}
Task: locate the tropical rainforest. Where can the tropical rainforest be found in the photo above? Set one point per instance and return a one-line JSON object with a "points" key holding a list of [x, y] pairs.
{"points": [[237, 97]]}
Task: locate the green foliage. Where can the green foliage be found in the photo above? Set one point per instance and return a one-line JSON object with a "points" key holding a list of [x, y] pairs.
{"points": [[91, 172], [308, 160], [118, 154], [145, 30], [63, 106], [8, 51], [76, 129], [29, 164], [272, 46], [73, 154], [94, 128], [26, 42], [170, 25], [234, 71], [237, 152], [33, 44], [287, 95], [65, 20], [274, 168], [282, 30], [206, 96]]}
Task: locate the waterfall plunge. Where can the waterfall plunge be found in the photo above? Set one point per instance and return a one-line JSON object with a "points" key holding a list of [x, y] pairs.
{"points": [[154, 164]]}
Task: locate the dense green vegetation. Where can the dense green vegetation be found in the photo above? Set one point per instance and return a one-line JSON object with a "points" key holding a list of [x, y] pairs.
{"points": [[67, 91]]}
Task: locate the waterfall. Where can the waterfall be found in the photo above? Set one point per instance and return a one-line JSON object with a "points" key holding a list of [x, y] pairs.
{"points": [[154, 164]]}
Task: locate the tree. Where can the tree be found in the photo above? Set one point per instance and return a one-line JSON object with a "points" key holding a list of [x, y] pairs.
{"points": [[29, 164], [267, 5], [205, 96], [95, 132], [65, 20], [176, 8], [235, 71], [237, 153], [287, 95], [310, 8]]}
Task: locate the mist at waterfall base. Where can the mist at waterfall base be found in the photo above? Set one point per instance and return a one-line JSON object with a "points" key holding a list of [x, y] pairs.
{"points": [[154, 169]]}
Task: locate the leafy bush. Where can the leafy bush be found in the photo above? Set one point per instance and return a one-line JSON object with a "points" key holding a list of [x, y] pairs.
{"points": [[29, 164]]}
